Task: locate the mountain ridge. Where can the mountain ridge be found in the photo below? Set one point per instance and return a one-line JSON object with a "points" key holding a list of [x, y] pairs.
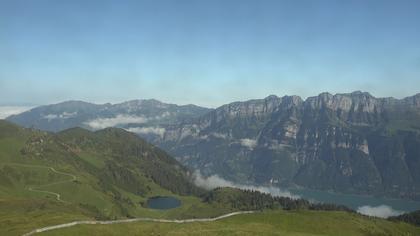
{"points": [[346, 142], [331, 142], [140, 113]]}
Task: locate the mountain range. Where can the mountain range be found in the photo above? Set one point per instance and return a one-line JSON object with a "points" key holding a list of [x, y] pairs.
{"points": [[352, 143], [54, 181], [69, 114]]}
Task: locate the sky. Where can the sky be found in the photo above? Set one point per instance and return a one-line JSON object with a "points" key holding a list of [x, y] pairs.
{"points": [[205, 52]]}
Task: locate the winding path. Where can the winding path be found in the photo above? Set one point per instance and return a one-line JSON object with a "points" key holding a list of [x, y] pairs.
{"points": [[36, 189], [108, 222]]}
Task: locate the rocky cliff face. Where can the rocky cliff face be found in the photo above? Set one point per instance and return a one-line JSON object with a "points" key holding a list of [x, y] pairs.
{"points": [[345, 142]]}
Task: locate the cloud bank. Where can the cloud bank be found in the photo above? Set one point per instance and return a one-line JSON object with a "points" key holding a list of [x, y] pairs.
{"points": [[219, 135], [382, 211], [120, 119], [249, 143], [6, 111], [215, 181], [64, 115], [147, 130]]}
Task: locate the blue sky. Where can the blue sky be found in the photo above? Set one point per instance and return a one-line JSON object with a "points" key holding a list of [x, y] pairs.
{"points": [[205, 52]]}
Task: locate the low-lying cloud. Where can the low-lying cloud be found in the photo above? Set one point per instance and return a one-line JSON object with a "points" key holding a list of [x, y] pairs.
{"points": [[219, 135], [120, 119], [249, 143], [382, 211], [6, 111], [215, 181], [64, 115], [147, 130]]}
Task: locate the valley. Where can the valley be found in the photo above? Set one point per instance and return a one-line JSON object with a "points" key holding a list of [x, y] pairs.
{"points": [[56, 178], [396, 205], [52, 179], [352, 143], [209, 117]]}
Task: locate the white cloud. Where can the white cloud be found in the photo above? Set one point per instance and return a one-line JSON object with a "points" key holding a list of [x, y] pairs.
{"points": [[64, 115], [120, 119], [147, 130], [210, 182], [162, 116], [6, 111], [50, 117], [382, 211], [249, 143], [219, 135], [215, 181], [67, 115]]}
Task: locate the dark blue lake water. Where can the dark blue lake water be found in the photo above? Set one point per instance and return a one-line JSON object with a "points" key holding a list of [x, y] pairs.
{"points": [[355, 201], [163, 203]]}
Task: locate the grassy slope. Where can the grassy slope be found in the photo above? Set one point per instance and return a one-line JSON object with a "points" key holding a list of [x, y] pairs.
{"points": [[266, 223], [84, 155], [24, 162], [18, 216]]}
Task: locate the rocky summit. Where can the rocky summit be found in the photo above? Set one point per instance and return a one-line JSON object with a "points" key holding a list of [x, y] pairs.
{"points": [[353, 143]]}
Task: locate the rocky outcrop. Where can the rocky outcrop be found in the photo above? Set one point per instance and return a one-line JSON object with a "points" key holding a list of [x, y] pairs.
{"points": [[346, 142]]}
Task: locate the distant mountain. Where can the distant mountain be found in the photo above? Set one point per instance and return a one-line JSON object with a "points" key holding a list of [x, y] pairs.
{"points": [[140, 116], [352, 143], [49, 179]]}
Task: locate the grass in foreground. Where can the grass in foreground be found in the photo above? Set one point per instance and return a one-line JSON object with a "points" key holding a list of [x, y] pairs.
{"points": [[265, 223]]}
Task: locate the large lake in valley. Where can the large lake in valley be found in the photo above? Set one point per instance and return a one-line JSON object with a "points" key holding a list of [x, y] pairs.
{"points": [[356, 201]]}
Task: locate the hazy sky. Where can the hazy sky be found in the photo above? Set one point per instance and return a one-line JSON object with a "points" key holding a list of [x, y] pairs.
{"points": [[205, 52]]}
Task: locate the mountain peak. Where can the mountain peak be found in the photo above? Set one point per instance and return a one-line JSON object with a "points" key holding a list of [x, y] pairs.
{"points": [[142, 101], [357, 93], [361, 93], [271, 96], [73, 103], [325, 94]]}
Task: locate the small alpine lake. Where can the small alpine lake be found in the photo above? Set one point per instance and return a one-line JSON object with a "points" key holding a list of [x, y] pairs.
{"points": [[163, 202]]}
